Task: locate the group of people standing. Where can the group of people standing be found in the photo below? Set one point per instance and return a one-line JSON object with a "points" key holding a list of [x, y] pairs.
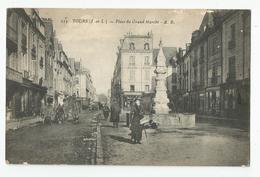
{"points": [[59, 112], [136, 114]]}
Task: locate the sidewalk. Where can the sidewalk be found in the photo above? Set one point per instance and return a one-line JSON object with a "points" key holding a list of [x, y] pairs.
{"points": [[22, 122], [224, 121], [203, 145]]}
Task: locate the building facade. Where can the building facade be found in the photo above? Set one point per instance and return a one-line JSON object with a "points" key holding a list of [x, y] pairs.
{"points": [[25, 63], [133, 70], [49, 57], [236, 37], [214, 70], [37, 67], [84, 89]]}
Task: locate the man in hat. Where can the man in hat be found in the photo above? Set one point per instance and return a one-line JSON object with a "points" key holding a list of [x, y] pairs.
{"points": [[136, 114]]}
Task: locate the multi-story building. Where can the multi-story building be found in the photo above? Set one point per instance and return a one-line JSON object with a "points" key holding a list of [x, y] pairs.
{"points": [[84, 88], [214, 72], [63, 75], [183, 80], [25, 63], [235, 89], [57, 70], [72, 67], [49, 54], [133, 70]]}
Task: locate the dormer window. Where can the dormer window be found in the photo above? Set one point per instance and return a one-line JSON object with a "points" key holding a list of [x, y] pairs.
{"points": [[132, 46], [146, 46]]}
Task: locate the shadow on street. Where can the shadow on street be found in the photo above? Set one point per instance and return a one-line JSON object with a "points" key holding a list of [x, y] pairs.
{"points": [[121, 139]]}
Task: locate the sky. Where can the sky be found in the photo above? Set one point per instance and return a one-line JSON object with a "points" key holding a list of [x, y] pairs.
{"points": [[96, 43]]}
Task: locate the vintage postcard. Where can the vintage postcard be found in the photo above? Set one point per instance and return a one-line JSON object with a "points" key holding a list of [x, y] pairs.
{"points": [[154, 87]]}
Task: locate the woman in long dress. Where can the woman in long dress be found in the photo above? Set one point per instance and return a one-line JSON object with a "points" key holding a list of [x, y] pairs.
{"points": [[136, 129]]}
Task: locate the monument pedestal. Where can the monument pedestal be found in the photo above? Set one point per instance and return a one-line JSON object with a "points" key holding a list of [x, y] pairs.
{"points": [[172, 121]]}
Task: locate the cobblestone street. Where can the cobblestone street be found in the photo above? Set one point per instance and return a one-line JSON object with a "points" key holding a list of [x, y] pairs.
{"points": [[52, 144], [204, 145]]}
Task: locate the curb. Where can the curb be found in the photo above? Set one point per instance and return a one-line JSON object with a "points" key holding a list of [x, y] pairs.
{"points": [[100, 158]]}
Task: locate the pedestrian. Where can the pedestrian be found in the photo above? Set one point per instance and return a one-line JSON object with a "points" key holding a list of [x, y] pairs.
{"points": [[75, 109], [136, 115], [106, 111], [66, 107], [59, 117], [48, 112], [115, 111]]}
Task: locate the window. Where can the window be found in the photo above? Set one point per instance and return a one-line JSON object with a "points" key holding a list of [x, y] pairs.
{"points": [[132, 88], [233, 32], [132, 75], [132, 46], [202, 51], [232, 42], [24, 37], [12, 20], [147, 75], [232, 68], [202, 75], [12, 24], [147, 88], [146, 60], [146, 46], [41, 62], [131, 60], [214, 46]]}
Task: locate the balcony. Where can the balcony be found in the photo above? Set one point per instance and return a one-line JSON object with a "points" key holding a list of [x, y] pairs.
{"points": [[231, 44], [14, 75]]}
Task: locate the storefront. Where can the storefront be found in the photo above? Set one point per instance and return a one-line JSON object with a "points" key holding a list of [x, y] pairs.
{"points": [[213, 101], [201, 102], [236, 99], [23, 99]]}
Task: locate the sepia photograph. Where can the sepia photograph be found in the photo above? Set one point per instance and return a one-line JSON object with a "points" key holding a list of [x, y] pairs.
{"points": [[138, 87]]}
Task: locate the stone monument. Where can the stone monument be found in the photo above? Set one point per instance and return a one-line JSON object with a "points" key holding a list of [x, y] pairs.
{"points": [[162, 116], [161, 100]]}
